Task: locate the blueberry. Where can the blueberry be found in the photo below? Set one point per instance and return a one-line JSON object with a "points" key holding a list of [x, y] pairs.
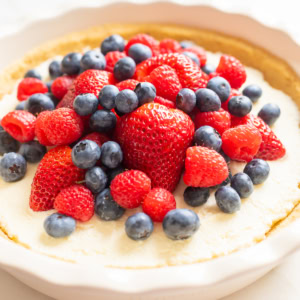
{"points": [[85, 154], [21, 105], [111, 154], [112, 43], [37, 103], [103, 121], [242, 183], [106, 208], [124, 68], [253, 92], [269, 113], [120, 114], [196, 196], [146, 92], [112, 173], [186, 100], [93, 60], [107, 96], [139, 226], [33, 74], [33, 151], [206, 136], [71, 63], [220, 86], [95, 179], [139, 52], [207, 100], [85, 104], [59, 225], [55, 69], [49, 85], [186, 44], [53, 98], [180, 224], [127, 101], [12, 167], [226, 157], [208, 69], [193, 57], [239, 106], [228, 200], [258, 170], [7, 142]]}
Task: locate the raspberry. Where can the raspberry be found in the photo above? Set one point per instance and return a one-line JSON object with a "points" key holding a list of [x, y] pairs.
{"points": [[241, 143], [98, 138], [200, 52], [111, 59], [61, 85], [145, 39], [169, 46], [165, 102], [20, 125], [157, 203], [204, 167], [68, 99], [233, 93], [29, 86], [75, 201], [129, 84], [129, 188], [39, 128]]}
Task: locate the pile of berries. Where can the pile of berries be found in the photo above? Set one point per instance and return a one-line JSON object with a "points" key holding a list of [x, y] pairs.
{"points": [[122, 125]]}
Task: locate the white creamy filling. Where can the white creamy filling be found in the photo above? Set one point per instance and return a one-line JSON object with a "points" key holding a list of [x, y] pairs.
{"points": [[105, 243]]}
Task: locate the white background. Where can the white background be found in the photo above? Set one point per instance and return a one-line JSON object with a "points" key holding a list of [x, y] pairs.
{"points": [[280, 284]]}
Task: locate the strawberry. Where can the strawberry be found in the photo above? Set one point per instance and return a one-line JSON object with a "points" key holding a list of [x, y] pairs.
{"points": [[75, 201], [68, 99], [61, 85], [200, 52], [233, 93], [29, 86], [154, 140], [111, 58], [169, 46], [145, 39], [98, 138], [157, 203], [39, 128], [204, 167], [231, 69], [129, 84], [55, 172], [165, 102]]}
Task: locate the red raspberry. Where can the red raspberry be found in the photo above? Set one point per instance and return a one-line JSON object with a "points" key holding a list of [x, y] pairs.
{"points": [[20, 125], [61, 85], [169, 46], [39, 128], [129, 84], [68, 99], [111, 59], [165, 102], [204, 167], [76, 201], [29, 86], [55, 172], [98, 138], [233, 93], [145, 39], [129, 188], [241, 143], [219, 120], [231, 69], [157, 203], [200, 52]]}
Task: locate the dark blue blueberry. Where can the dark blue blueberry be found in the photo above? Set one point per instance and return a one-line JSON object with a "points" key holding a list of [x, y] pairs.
{"points": [[103, 121], [85, 154], [207, 136], [258, 170], [186, 44], [93, 60], [139, 52], [220, 86], [207, 100], [269, 113], [53, 98], [13, 167], [33, 151], [85, 104], [180, 224], [49, 85], [139, 226], [196, 196], [253, 92], [193, 57], [55, 69], [112, 43], [127, 101], [242, 183], [106, 208], [7, 142], [124, 68], [111, 154], [71, 63], [33, 74], [186, 100], [146, 92], [239, 106], [120, 114], [37, 103], [96, 179], [21, 105], [107, 96], [228, 200], [59, 225], [208, 69], [112, 173], [226, 157]]}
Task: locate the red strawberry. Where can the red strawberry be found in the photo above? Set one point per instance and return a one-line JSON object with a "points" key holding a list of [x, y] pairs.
{"points": [[200, 52], [145, 39], [129, 188], [154, 140], [68, 99], [29, 86], [233, 93], [165, 102], [61, 85], [55, 172], [212, 75], [204, 167], [20, 125], [129, 84], [157, 203], [169, 46], [241, 143], [98, 138], [76, 201], [231, 69], [111, 58], [39, 128]]}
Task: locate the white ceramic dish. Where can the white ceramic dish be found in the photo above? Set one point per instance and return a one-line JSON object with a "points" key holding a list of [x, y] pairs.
{"points": [[210, 280]]}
